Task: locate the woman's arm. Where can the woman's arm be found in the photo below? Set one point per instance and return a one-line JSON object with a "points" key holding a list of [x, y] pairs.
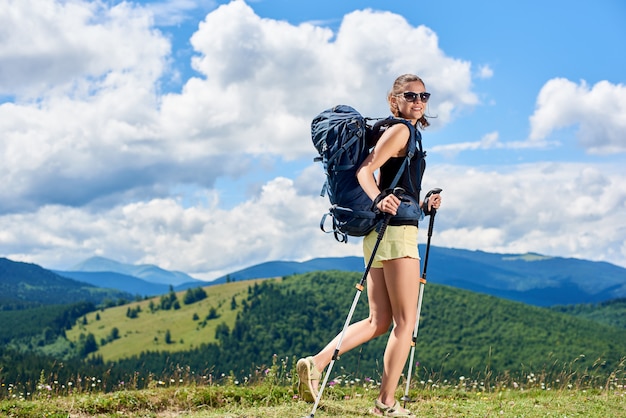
{"points": [[392, 143]]}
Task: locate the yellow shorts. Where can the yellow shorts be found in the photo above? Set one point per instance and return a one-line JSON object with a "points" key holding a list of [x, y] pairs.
{"points": [[398, 242]]}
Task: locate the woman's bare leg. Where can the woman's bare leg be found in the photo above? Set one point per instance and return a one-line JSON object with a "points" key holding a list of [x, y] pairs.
{"points": [[402, 282], [377, 323]]}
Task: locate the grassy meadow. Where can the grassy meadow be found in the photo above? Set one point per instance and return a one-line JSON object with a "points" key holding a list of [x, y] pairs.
{"points": [[146, 332], [274, 394]]}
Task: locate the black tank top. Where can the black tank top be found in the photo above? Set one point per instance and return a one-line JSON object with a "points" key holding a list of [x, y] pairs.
{"points": [[410, 180]]}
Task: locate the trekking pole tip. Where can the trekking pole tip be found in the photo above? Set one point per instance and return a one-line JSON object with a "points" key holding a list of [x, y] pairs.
{"points": [[406, 399]]}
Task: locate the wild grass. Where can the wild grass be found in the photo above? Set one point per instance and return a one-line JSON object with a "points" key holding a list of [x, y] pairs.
{"points": [[271, 391]]}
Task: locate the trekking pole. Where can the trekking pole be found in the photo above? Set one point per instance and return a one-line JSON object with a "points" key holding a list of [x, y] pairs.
{"points": [[359, 289], [431, 223]]}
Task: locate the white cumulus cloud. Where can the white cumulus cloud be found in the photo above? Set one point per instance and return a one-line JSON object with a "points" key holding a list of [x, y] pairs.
{"points": [[599, 112], [88, 123], [549, 208]]}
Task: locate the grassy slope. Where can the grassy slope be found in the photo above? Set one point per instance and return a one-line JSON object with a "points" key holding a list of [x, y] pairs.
{"points": [[276, 402], [138, 334]]}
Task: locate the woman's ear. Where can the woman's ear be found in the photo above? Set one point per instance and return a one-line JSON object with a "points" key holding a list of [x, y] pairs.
{"points": [[393, 103]]}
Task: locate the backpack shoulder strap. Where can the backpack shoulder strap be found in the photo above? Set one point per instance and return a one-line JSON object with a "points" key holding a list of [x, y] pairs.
{"points": [[414, 144]]}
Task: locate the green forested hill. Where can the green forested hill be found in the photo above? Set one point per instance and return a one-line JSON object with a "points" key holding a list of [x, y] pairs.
{"points": [[44, 323], [612, 312], [461, 333], [24, 285]]}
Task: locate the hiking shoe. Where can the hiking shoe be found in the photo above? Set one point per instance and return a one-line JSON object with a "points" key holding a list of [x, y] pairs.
{"points": [[382, 410], [307, 373]]}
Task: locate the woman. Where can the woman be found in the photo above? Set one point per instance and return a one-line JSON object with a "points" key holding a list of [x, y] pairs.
{"points": [[393, 280]]}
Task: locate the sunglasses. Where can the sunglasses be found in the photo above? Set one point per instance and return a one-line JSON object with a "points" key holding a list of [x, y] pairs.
{"points": [[412, 97]]}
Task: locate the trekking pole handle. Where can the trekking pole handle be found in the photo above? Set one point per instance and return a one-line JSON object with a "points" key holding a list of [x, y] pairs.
{"points": [[436, 190], [398, 192], [432, 211]]}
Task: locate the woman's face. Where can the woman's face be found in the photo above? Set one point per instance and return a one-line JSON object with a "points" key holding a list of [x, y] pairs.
{"points": [[411, 103]]}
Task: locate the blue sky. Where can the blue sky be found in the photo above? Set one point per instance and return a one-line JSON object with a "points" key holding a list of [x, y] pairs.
{"points": [[177, 132]]}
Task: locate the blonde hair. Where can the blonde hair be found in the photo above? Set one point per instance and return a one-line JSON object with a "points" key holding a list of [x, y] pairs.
{"points": [[397, 89]]}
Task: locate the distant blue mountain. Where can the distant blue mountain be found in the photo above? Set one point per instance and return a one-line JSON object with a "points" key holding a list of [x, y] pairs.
{"points": [[529, 278], [123, 282], [148, 272], [286, 268]]}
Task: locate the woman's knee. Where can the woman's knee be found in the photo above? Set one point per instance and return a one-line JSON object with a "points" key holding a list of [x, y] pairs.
{"points": [[380, 325], [402, 327]]}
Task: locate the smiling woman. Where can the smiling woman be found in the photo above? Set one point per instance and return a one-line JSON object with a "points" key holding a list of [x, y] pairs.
{"points": [[391, 176]]}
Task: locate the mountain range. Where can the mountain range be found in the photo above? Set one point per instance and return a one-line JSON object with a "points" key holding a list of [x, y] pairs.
{"points": [[142, 279], [148, 272], [529, 278]]}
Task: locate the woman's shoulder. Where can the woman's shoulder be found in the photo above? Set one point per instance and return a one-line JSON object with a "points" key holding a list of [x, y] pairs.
{"points": [[396, 136]]}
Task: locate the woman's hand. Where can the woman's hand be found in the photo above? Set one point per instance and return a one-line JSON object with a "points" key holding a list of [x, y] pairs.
{"points": [[434, 201], [389, 204]]}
